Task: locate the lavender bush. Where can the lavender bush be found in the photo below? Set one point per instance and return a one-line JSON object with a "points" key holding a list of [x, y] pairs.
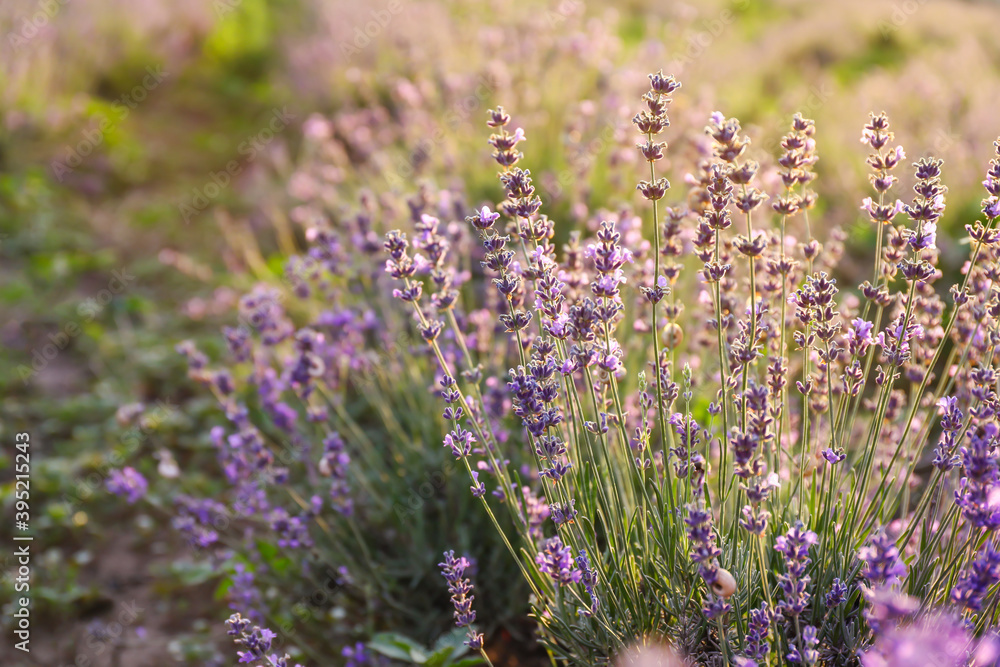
{"points": [[670, 419], [737, 455], [336, 495]]}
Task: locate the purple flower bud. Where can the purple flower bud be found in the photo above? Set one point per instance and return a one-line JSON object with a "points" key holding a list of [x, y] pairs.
{"points": [[484, 218], [834, 457], [837, 594], [357, 655], [127, 482]]}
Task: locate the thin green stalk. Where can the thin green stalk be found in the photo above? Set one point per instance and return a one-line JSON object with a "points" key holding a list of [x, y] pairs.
{"points": [[660, 415]]}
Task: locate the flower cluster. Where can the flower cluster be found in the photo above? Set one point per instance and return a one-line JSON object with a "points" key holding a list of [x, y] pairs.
{"points": [[974, 583], [794, 547], [556, 560], [256, 643], [882, 562], [976, 494], [694, 454], [127, 482], [453, 571]]}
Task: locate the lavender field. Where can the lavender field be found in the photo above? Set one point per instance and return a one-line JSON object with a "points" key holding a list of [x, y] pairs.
{"points": [[527, 333]]}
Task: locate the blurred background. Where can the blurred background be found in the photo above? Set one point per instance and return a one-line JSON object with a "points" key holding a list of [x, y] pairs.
{"points": [[143, 141]]}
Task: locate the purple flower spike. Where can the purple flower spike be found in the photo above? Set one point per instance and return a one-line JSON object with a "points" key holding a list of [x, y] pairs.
{"points": [[837, 594], [453, 570], [794, 545], [556, 560], [975, 582], [883, 564], [257, 641], [760, 623]]}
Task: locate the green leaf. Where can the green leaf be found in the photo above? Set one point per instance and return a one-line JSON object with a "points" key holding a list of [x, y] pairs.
{"points": [[389, 650], [468, 662], [454, 639], [267, 550], [441, 657], [398, 647], [223, 588], [279, 564], [192, 573]]}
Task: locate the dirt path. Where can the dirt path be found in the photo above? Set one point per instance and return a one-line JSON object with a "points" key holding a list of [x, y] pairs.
{"points": [[133, 619]]}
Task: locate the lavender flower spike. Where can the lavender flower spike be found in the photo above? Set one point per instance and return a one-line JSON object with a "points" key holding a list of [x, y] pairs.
{"points": [[883, 564], [453, 570], [974, 583], [794, 545], [556, 560], [257, 641]]}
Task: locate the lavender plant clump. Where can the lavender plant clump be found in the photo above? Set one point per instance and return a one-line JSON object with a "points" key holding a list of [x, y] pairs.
{"points": [[676, 418], [819, 409]]}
